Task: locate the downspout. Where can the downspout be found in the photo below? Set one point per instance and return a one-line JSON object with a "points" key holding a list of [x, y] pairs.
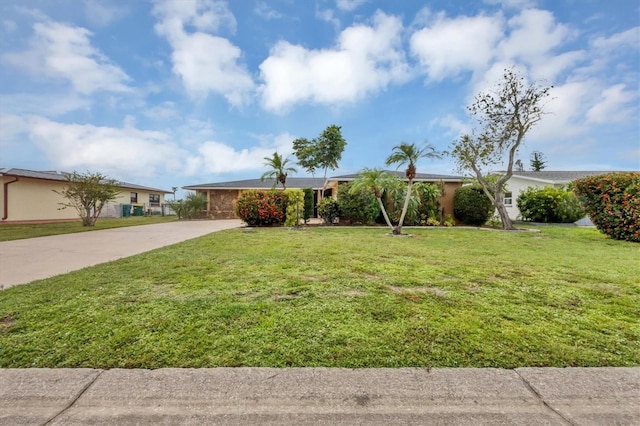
{"points": [[6, 198]]}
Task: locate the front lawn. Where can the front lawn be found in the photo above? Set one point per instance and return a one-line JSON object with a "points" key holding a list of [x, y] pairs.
{"points": [[10, 232], [339, 297]]}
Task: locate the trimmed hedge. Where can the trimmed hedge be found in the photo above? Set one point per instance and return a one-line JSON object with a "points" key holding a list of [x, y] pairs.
{"points": [[262, 208], [613, 202], [471, 205], [550, 205]]}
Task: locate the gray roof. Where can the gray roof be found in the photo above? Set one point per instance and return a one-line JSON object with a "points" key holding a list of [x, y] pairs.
{"points": [[315, 183], [558, 176], [292, 183], [426, 177], [62, 177]]}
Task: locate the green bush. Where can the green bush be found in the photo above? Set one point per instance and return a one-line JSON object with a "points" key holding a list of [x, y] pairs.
{"points": [[329, 210], [360, 207], [192, 207], [295, 207], [178, 207], [612, 201], [471, 205], [423, 204], [428, 206], [449, 221], [262, 208], [550, 205], [308, 204]]}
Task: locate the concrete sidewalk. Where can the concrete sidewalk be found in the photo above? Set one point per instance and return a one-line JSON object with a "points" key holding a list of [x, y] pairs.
{"points": [[525, 396], [23, 261]]}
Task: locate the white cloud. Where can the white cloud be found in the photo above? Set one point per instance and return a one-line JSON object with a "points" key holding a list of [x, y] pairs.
{"points": [[65, 52], [162, 112], [349, 5], [365, 60], [263, 10], [10, 126], [205, 63], [565, 112], [192, 132], [592, 86], [203, 15], [624, 39], [124, 150], [549, 68], [215, 157], [613, 105], [513, 4], [448, 47], [533, 35], [129, 151], [327, 15], [455, 127], [209, 63]]}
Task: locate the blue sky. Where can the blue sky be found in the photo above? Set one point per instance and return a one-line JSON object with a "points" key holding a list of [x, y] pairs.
{"points": [[179, 92]]}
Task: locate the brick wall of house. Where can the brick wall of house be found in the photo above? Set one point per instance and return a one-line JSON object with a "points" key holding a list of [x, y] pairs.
{"points": [[222, 203]]}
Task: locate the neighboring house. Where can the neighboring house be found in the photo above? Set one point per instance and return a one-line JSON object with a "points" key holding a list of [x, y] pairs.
{"points": [[221, 196], [520, 181], [29, 196]]}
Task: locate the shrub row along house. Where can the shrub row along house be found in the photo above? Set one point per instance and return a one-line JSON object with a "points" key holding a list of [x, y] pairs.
{"points": [[30, 196], [221, 196]]}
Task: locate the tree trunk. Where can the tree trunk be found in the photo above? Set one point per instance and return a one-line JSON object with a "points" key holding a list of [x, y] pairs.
{"points": [[87, 217], [384, 213], [507, 225], [398, 229]]}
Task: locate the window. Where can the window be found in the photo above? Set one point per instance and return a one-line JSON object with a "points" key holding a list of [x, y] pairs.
{"points": [[154, 200], [508, 199], [134, 197]]}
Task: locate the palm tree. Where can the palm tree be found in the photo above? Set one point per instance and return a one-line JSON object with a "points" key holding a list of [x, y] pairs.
{"points": [[409, 154], [376, 180], [279, 169]]}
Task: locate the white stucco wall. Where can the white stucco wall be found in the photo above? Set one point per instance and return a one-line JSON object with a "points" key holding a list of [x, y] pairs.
{"points": [[517, 185]]}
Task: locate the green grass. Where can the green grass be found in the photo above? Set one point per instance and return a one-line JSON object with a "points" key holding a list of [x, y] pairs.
{"points": [[339, 297], [10, 232]]}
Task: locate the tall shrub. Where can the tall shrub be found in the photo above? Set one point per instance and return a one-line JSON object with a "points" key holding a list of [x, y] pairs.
{"points": [[613, 203], [423, 203], [295, 207], [192, 207], [262, 208], [329, 210], [429, 207], [308, 204], [359, 206], [550, 205], [471, 205]]}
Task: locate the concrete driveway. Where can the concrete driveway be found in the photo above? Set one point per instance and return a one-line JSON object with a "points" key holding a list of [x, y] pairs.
{"points": [[23, 261]]}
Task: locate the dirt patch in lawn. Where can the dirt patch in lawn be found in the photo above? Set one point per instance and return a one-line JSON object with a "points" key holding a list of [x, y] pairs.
{"points": [[416, 290], [5, 323]]}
